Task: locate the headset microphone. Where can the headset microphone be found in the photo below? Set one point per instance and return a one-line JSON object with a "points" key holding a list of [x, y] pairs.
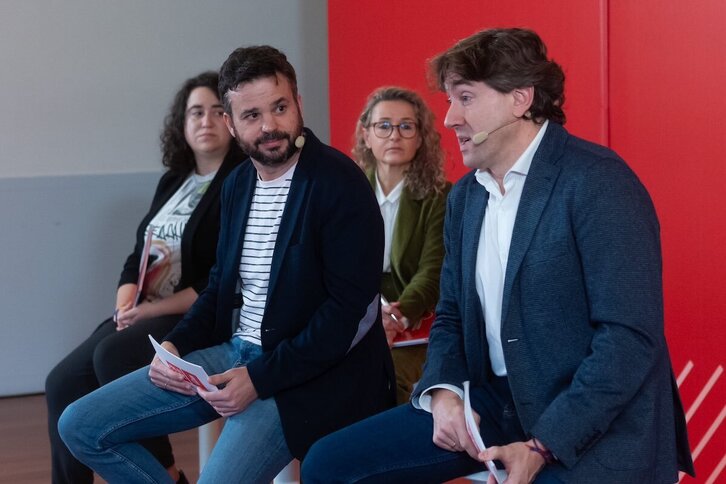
{"points": [[300, 141], [482, 136]]}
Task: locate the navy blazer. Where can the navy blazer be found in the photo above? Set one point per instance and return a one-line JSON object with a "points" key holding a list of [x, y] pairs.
{"points": [[582, 316], [325, 359]]}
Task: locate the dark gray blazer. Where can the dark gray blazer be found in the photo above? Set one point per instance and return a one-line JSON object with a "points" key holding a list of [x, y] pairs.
{"points": [[582, 316]]}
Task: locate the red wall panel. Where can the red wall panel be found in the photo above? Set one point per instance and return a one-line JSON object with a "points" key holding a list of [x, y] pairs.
{"points": [[644, 77], [376, 42], [667, 69]]}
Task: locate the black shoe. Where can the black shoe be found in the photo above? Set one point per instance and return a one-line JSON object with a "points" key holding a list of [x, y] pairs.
{"points": [[182, 478]]}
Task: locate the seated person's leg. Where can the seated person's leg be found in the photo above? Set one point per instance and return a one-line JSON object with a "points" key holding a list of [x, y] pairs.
{"points": [[393, 446], [397, 445], [408, 362], [72, 378], [103, 428], [128, 350], [251, 448]]}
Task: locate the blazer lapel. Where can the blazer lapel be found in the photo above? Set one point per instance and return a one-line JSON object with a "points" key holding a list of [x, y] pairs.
{"points": [[295, 197], [535, 194], [406, 221], [472, 314], [476, 202]]}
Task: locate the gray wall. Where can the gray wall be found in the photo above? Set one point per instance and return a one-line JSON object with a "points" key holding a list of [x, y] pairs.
{"points": [[84, 86]]}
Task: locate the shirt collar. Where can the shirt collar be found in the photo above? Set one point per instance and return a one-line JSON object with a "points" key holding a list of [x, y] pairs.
{"points": [[280, 179], [392, 197], [520, 167]]}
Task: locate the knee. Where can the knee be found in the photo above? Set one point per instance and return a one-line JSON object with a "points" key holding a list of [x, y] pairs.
{"points": [[108, 358], [52, 382], [57, 389], [321, 464], [311, 467], [70, 428]]}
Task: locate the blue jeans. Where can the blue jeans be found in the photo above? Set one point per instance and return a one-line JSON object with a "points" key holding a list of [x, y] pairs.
{"points": [[102, 429], [396, 446]]}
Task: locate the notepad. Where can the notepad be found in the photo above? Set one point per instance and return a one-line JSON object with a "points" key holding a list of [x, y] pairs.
{"points": [[411, 336], [418, 336]]}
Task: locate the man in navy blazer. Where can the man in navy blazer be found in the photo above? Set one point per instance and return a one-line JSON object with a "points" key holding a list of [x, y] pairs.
{"points": [[551, 302], [289, 326]]}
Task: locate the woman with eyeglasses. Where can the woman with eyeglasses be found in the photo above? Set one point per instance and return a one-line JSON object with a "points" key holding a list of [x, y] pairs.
{"points": [[398, 147], [199, 153]]}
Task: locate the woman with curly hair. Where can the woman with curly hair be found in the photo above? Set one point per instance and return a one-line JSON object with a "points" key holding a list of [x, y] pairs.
{"points": [[398, 147], [199, 152]]}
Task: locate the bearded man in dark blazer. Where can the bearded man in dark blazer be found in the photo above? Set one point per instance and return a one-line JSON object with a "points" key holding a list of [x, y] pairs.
{"points": [[289, 326]]}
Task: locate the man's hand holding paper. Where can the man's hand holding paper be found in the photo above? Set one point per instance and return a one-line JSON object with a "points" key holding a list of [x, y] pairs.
{"points": [[170, 372], [238, 392]]}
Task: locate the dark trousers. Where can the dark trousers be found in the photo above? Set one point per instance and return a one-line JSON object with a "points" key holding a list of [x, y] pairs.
{"points": [[408, 362], [106, 355], [396, 446]]}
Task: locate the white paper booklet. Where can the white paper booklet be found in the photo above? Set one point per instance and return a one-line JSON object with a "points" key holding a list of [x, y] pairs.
{"points": [[192, 373], [473, 430]]}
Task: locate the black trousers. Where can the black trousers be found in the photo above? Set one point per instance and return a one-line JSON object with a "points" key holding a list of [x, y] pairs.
{"points": [[106, 355]]}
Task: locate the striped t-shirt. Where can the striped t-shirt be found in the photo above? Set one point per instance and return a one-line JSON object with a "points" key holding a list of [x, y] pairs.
{"points": [[268, 204]]}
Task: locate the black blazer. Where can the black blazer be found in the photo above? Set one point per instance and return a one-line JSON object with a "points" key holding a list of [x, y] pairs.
{"points": [[325, 359], [199, 239]]}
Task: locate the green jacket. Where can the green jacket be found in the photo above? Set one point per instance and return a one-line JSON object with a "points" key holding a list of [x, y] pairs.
{"points": [[417, 252]]}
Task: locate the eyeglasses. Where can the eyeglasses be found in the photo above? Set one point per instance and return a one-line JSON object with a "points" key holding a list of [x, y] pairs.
{"points": [[384, 129]]}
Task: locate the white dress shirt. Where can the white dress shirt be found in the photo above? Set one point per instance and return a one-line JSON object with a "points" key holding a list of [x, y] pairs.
{"points": [[389, 211], [494, 241], [493, 254]]}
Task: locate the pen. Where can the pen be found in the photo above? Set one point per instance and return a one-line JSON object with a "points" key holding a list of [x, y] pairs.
{"points": [[384, 301]]}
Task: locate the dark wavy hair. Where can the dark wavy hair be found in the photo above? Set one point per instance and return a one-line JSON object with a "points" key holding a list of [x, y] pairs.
{"points": [[425, 176], [250, 63], [507, 59], [176, 154]]}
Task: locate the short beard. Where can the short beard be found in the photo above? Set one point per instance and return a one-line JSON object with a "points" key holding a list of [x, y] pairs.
{"points": [[277, 158]]}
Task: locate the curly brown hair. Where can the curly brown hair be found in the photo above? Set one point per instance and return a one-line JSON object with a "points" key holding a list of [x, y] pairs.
{"points": [[507, 59], [425, 176], [176, 154]]}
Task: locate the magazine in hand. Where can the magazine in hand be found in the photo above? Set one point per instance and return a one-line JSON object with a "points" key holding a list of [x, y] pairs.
{"points": [[144, 264], [192, 373], [473, 430]]}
